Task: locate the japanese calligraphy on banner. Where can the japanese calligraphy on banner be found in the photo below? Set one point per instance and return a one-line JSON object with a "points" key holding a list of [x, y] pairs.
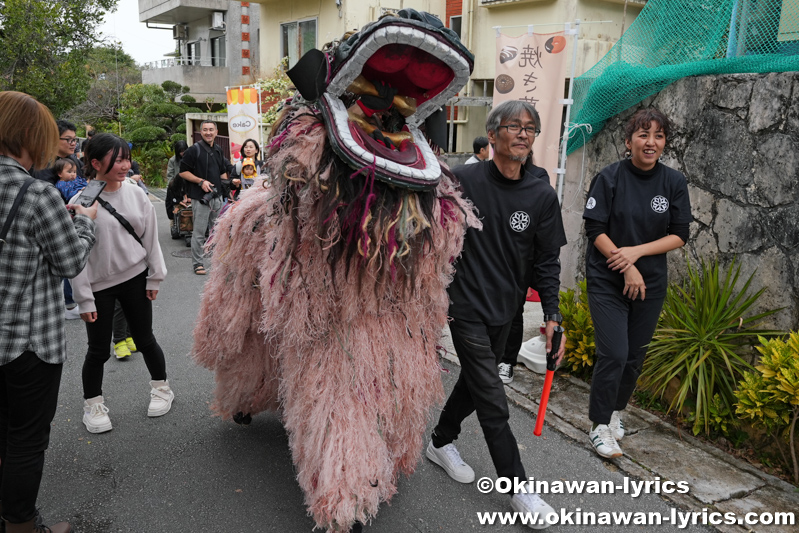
{"points": [[242, 112], [532, 68]]}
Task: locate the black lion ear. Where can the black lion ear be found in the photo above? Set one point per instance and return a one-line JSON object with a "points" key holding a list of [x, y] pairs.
{"points": [[309, 75]]}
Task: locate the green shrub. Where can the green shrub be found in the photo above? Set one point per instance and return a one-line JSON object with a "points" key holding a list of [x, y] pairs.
{"points": [[769, 397], [580, 348], [702, 335]]}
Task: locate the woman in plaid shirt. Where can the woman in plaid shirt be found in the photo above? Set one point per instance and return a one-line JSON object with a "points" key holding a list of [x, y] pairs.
{"points": [[42, 246]]}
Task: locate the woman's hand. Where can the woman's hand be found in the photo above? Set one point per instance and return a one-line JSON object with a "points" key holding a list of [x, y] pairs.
{"points": [[236, 182], [151, 295], [89, 317], [623, 258], [634, 286]]}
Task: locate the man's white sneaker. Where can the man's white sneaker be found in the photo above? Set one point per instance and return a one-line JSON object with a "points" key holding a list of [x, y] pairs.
{"points": [[448, 458], [616, 425], [72, 314], [532, 504], [505, 372], [161, 397], [603, 442], [95, 415]]}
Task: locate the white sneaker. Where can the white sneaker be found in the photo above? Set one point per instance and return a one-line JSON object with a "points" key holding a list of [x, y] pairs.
{"points": [[505, 372], [95, 415], [72, 314], [603, 442], [161, 397], [616, 425], [532, 503], [448, 458]]}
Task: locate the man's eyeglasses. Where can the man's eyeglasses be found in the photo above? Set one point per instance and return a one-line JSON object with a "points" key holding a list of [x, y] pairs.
{"points": [[70, 140], [514, 129]]}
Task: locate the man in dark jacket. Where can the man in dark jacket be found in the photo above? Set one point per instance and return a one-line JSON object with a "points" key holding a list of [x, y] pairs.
{"points": [[67, 142], [522, 230], [203, 167]]}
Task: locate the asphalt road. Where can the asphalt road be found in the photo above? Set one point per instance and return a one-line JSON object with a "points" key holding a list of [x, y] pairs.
{"points": [[190, 471]]}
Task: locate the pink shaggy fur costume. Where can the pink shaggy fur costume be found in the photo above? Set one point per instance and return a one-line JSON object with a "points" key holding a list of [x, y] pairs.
{"points": [[347, 355]]}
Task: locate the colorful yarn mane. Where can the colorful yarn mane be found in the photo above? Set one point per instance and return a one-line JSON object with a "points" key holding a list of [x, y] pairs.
{"points": [[325, 301]]}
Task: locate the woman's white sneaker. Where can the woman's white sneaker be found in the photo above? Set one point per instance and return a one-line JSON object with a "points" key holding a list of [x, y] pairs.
{"points": [[604, 443], [616, 425], [95, 415], [448, 458], [535, 506], [161, 397]]}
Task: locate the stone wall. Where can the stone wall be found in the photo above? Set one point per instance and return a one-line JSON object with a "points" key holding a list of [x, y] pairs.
{"points": [[736, 138]]}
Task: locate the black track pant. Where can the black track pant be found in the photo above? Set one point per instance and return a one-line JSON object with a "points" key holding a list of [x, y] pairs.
{"points": [[622, 330], [132, 295], [480, 349], [28, 399]]}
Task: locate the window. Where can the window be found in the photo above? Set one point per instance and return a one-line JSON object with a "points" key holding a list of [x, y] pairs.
{"points": [[296, 39], [789, 21], [218, 51], [455, 24], [193, 53]]}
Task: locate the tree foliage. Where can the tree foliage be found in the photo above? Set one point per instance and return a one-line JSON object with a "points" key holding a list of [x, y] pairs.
{"points": [[44, 45], [151, 113], [153, 117], [110, 69]]}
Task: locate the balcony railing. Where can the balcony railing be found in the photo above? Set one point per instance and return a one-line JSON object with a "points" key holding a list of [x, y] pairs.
{"points": [[185, 61]]}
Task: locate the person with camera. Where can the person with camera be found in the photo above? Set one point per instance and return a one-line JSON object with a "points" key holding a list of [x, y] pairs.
{"points": [[204, 168]]}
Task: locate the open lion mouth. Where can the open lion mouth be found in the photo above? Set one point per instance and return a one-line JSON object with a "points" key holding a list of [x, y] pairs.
{"points": [[423, 66]]}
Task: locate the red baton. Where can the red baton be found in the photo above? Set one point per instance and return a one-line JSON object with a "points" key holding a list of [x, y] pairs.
{"points": [[551, 366]]}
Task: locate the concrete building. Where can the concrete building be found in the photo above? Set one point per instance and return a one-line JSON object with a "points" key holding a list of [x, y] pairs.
{"points": [[292, 28], [216, 44]]}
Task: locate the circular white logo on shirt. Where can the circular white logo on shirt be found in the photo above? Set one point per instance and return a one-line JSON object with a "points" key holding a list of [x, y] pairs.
{"points": [[519, 221], [660, 204], [591, 203]]}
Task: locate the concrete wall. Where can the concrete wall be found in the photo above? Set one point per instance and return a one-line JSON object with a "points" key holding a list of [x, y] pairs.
{"points": [[203, 81], [736, 139]]}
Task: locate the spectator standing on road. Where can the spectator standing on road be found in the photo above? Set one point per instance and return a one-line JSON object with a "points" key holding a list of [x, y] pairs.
{"points": [[637, 210], [203, 167], [42, 246], [67, 141], [521, 219], [480, 149], [126, 265]]}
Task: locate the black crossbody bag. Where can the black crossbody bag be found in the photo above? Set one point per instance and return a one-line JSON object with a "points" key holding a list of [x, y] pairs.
{"points": [[14, 209], [122, 220]]}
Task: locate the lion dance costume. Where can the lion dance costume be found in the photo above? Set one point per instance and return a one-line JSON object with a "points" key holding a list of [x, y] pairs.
{"points": [[327, 295]]}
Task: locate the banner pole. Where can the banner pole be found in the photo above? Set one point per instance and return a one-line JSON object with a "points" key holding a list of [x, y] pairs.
{"points": [[569, 101]]}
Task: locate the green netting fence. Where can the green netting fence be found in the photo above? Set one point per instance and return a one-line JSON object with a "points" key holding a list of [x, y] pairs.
{"points": [[673, 39]]}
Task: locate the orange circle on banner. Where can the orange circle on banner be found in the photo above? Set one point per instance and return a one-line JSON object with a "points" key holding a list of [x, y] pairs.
{"points": [[555, 44]]}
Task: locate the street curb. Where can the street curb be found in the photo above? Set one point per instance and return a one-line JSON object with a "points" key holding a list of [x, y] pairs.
{"points": [[632, 467]]}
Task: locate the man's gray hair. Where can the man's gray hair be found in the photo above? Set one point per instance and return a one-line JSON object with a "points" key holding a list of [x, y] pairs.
{"points": [[510, 110]]}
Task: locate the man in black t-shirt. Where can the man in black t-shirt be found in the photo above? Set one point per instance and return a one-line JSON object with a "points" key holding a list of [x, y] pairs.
{"points": [[203, 167], [522, 229]]}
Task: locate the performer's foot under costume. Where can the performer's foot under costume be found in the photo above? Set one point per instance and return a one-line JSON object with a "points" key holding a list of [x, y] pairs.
{"points": [[327, 293]]}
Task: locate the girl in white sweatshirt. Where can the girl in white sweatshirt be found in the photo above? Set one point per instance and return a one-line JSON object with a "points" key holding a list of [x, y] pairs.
{"points": [[121, 267]]}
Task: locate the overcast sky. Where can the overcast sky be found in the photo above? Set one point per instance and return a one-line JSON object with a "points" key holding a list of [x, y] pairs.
{"points": [[142, 44]]}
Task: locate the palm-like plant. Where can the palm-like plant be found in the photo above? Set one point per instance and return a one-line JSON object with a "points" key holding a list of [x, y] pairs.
{"points": [[701, 339]]}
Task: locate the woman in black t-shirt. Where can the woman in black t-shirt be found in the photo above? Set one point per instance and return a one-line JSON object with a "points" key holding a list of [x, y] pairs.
{"points": [[637, 210]]}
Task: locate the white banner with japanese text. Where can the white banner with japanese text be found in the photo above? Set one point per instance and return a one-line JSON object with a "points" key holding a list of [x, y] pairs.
{"points": [[532, 67]]}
